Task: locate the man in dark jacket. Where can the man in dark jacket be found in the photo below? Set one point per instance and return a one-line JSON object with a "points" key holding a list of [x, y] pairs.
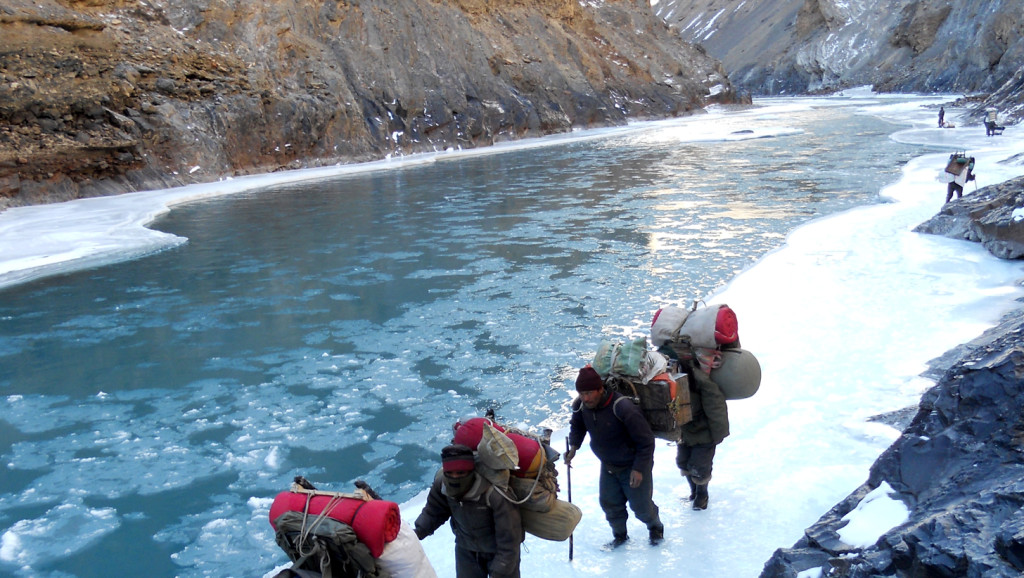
{"points": [[622, 440], [487, 527], [700, 437]]}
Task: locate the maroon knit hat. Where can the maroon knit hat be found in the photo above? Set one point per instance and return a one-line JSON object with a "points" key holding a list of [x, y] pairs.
{"points": [[589, 380], [457, 458]]}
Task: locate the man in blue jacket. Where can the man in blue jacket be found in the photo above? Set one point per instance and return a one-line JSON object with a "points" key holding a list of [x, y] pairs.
{"points": [[621, 438]]}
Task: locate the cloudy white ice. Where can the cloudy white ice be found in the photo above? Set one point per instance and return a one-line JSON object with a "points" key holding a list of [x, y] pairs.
{"points": [[843, 318]]}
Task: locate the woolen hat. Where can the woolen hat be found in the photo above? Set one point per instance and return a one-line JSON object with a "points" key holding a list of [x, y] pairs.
{"points": [[457, 458], [589, 380]]}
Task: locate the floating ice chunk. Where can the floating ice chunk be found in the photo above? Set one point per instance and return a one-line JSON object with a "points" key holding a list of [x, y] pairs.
{"points": [[29, 542]]}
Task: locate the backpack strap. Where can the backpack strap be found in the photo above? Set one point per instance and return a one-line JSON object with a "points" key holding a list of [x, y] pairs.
{"points": [[615, 404], [352, 520], [486, 497]]}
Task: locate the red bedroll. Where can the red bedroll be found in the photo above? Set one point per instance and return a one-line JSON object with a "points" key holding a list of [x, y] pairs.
{"points": [[531, 457], [469, 432], [375, 522], [727, 327]]}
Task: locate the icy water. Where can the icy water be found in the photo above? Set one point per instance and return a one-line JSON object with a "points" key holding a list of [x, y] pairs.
{"points": [[337, 328]]}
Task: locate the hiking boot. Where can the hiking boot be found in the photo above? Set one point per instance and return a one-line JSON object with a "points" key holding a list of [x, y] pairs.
{"points": [[700, 499], [693, 488], [657, 535], [617, 540]]}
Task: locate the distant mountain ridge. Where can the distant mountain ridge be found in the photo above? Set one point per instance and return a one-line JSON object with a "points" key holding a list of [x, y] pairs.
{"points": [[772, 47]]}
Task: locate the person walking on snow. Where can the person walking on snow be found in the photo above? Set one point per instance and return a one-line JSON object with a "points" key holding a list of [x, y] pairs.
{"points": [[700, 437], [991, 118], [942, 116], [488, 528], [622, 440], [958, 180]]}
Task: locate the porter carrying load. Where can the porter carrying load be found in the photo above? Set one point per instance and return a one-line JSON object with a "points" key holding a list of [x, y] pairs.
{"points": [[521, 467], [959, 171]]}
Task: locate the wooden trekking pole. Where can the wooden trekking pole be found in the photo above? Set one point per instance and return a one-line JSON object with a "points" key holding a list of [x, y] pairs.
{"points": [[568, 483]]}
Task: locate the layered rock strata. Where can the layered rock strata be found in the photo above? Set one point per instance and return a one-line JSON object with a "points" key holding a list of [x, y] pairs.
{"points": [[106, 96]]}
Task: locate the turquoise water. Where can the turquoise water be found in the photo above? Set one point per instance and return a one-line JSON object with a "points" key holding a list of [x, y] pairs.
{"points": [[337, 328]]}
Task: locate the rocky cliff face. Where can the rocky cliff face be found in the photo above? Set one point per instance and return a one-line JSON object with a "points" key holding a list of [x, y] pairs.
{"points": [[106, 96], [959, 465], [797, 46], [993, 216]]}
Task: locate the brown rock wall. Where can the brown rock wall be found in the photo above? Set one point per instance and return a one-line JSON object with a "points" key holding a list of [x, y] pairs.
{"points": [[113, 96]]}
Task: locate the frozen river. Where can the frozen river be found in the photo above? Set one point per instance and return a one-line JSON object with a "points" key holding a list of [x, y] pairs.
{"points": [[336, 327]]}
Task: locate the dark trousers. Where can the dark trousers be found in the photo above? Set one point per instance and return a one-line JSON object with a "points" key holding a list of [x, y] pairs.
{"points": [[695, 461], [614, 493], [953, 187], [469, 564]]}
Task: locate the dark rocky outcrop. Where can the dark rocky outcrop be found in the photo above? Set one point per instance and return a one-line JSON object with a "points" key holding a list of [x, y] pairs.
{"points": [[993, 216], [105, 96], [800, 46], [959, 465]]}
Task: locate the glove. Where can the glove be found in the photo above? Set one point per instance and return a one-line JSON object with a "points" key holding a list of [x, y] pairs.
{"points": [[569, 455]]}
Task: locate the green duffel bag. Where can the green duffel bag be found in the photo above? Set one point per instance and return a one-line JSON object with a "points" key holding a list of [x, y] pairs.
{"points": [[630, 359], [557, 524]]}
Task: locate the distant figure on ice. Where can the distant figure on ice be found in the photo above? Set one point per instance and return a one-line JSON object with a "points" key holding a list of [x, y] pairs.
{"points": [[942, 116], [488, 529], [622, 439], [991, 125]]}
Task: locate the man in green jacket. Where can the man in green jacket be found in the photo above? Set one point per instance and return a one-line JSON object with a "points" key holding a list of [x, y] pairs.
{"points": [[700, 437]]}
